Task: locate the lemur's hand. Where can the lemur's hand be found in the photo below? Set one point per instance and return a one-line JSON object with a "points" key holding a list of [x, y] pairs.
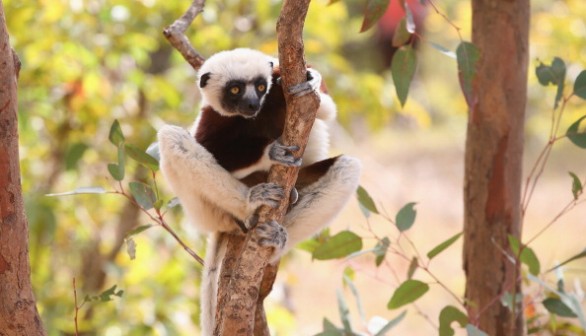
{"points": [[313, 83]]}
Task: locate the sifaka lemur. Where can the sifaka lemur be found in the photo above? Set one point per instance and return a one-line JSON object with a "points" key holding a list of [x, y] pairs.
{"points": [[218, 169]]}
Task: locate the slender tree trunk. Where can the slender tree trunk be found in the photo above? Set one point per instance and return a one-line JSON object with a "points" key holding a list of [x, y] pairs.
{"points": [[493, 165], [18, 311], [239, 305]]}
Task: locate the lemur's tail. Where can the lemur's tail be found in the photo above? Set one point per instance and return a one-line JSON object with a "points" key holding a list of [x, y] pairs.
{"points": [[209, 284]]}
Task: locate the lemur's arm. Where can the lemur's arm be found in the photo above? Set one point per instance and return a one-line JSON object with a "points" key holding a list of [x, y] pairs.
{"points": [[193, 172]]}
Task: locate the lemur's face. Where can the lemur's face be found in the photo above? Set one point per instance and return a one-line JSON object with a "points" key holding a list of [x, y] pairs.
{"points": [[236, 82]]}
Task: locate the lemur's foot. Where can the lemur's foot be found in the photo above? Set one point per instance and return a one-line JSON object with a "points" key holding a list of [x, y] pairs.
{"points": [[271, 234], [265, 194], [282, 154]]}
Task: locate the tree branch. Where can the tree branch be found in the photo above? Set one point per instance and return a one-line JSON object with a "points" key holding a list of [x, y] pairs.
{"points": [[238, 316], [175, 34]]}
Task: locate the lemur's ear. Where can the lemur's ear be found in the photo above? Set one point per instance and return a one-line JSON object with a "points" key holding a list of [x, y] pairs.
{"points": [[203, 80]]}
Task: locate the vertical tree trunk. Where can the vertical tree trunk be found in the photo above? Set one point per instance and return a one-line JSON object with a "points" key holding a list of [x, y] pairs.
{"points": [[238, 306], [18, 312], [493, 164]]}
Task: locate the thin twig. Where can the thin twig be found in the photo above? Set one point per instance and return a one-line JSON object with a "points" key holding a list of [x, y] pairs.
{"points": [[76, 308], [445, 17], [159, 219], [175, 34]]}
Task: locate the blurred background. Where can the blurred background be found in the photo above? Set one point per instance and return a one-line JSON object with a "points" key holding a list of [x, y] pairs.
{"points": [[89, 62]]}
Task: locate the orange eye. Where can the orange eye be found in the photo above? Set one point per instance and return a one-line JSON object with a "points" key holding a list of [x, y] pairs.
{"points": [[261, 87], [234, 90]]}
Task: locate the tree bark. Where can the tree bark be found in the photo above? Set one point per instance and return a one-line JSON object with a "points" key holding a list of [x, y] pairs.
{"points": [[238, 312], [493, 162], [18, 311]]}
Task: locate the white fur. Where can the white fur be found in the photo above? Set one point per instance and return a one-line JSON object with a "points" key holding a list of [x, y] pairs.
{"points": [[212, 198]]}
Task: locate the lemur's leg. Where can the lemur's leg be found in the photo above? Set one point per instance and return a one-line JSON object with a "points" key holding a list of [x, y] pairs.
{"points": [[320, 201], [192, 172]]}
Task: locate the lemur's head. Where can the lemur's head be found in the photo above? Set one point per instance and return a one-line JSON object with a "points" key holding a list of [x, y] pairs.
{"points": [[235, 82]]}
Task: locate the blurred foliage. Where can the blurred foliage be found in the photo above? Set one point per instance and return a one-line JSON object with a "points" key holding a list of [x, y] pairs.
{"points": [[88, 62]]}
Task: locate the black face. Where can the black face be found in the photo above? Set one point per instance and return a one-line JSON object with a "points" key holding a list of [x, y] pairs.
{"points": [[244, 97]]}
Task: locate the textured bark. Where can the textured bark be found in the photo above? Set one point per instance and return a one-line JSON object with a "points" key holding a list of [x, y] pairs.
{"points": [[238, 316], [493, 163], [18, 312]]}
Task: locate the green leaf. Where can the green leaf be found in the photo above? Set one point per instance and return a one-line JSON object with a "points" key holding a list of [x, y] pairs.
{"points": [[441, 247], [580, 85], [529, 258], [402, 71], [554, 74], [514, 244], [116, 171], [349, 273], [116, 137], [338, 246], [577, 187], [408, 292], [365, 200], [143, 194], [81, 190], [391, 324], [401, 35], [556, 306], [373, 12], [413, 265], [448, 315], [328, 325], [348, 282], [108, 294], [380, 250], [406, 217], [330, 329], [74, 154], [576, 136], [131, 248], [309, 245], [577, 256], [344, 313], [551, 74], [473, 331], [142, 157], [467, 55], [139, 230], [508, 301]]}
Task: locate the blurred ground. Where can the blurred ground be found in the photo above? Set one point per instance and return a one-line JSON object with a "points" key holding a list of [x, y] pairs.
{"points": [[427, 167]]}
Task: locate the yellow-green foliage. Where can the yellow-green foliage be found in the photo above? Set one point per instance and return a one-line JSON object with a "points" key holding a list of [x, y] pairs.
{"points": [[88, 62]]}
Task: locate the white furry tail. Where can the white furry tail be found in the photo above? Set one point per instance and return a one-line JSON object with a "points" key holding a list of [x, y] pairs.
{"points": [[209, 283]]}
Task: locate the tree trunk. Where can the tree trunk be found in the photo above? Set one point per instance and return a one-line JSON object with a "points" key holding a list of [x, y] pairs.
{"points": [[18, 311], [239, 305], [493, 164]]}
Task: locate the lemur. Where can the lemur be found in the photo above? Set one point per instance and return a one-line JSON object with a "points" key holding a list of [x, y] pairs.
{"points": [[218, 169]]}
